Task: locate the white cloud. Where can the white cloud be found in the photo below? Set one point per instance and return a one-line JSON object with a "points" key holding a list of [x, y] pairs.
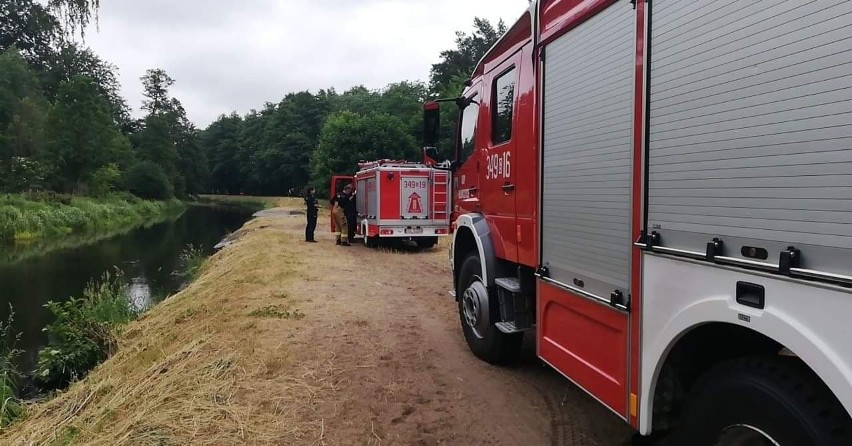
{"points": [[236, 55]]}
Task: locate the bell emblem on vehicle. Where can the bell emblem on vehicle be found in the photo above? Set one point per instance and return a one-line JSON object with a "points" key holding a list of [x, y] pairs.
{"points": [[414, 206]]}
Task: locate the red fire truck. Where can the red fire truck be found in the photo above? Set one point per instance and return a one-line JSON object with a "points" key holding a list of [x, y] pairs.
{"points": [[661, 191], [399, 200]]}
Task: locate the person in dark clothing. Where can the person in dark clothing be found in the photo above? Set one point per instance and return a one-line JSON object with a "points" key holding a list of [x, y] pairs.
{"points": [[351, 212], [311, 210]]}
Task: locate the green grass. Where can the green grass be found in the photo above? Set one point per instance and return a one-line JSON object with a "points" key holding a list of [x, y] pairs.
{"points": [[83, 332], [277, 312], [10, 405], [26, 217]]}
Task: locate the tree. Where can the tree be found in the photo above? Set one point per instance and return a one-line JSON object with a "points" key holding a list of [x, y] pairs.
{"points": [[70, 60], [220, 142], [17, 81], [147, 180], [293, 134], [25, 135], [447, 77], [252, 139], [348, 138], [168, 138], [458, 63], [29, 27], [155, 143], [76, 14], [84, 137], [156, 83]]}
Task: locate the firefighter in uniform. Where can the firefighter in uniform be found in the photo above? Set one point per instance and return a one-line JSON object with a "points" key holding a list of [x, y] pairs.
{"points": [[339, 204], [311, 210], [351, 216]]}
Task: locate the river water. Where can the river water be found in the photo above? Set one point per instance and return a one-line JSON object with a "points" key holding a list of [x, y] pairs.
{"points": [[148, 255]]}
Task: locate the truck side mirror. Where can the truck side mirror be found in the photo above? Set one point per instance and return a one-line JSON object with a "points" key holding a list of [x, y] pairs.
{"points": [[431, 123]]}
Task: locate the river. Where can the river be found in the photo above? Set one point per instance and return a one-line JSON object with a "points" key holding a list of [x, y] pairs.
{"points": [[148, 255]]}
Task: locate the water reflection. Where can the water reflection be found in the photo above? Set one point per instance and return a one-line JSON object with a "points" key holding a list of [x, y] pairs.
{"points": [[149, 256]]}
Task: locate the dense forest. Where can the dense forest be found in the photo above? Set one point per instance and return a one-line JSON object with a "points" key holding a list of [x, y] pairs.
{"points": [[64, 126]]}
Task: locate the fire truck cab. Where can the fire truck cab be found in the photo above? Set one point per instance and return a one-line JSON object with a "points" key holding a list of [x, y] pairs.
{"points": [[661, 192]]}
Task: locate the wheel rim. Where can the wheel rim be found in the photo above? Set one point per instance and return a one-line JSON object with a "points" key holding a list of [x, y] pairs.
{"points": [[475, 308], [745, 435]]}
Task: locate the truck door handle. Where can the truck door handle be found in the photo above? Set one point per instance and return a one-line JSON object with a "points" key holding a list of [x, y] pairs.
{"points": [[508, 187]]}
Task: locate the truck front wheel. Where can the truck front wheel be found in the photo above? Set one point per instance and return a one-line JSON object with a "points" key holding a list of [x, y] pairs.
{"points": [[762, 401], [478, 312]]}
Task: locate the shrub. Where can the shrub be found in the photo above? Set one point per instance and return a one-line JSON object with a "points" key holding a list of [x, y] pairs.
{"points": [[83, 331], [9, 217], [10, 405], [104, 180], [191, 260], [148, 180]]}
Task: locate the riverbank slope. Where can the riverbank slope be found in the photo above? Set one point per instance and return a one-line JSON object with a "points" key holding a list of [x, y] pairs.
{"points": [[283, 342]]}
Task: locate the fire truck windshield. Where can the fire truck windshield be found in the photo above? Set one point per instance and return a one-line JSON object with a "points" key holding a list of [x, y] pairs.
{"points": [[467, 135]]}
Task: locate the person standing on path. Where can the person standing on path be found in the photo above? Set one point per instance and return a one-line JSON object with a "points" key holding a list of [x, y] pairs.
{"points": [[312, 211], [351, 216], [340, 202]]}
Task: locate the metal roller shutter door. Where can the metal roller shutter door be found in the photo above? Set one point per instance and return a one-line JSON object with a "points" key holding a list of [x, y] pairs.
{"points": [[751, 127], [587, 152]]}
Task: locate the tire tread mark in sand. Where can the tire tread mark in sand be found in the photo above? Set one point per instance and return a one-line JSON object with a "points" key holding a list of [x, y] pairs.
{"points": [[568, 426]]}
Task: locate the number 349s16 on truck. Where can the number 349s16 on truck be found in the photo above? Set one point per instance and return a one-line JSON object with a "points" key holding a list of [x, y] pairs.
{"points": [[661, 193]]}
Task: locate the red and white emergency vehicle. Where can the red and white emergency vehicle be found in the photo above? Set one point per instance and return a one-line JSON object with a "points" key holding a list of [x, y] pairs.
{"points": [[400, 200], [662, 192]]}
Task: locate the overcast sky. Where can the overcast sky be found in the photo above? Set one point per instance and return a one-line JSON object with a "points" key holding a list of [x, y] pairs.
{"points": [[235, 55]]}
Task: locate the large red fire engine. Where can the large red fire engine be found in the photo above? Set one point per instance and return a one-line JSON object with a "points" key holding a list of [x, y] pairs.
{"points": [[399, 200], [662, 192]]}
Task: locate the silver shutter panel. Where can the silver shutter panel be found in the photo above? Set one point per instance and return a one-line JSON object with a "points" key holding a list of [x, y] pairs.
{"points": [[751, 127], [587, 152]]}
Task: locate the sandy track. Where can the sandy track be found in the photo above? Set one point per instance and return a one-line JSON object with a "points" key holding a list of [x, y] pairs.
{"points": [[386, 322]]}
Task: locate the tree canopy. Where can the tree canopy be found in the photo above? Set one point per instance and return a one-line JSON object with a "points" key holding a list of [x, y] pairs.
{"points": [[64, 125]]}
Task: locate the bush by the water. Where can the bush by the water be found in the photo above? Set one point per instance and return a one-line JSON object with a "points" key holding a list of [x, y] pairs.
{"points": [[10, 405], [29, 216], [83, 332], [148, 180], [191, 259]]}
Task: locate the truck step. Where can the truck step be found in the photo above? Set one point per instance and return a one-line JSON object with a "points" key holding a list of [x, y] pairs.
{"points": [[509, 284], [509, 327]]}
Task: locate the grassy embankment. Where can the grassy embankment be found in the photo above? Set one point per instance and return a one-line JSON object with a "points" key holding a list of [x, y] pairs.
{"points": [[32, 217], [179, 369]]}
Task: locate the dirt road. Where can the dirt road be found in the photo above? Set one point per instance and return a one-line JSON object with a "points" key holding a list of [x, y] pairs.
{"points": [[282, 342], [386, 322]]}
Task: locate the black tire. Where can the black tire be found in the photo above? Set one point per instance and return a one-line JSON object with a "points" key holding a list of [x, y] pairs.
{"points": [[426, 242], [369, 242], [778, 396], [494, 347]]}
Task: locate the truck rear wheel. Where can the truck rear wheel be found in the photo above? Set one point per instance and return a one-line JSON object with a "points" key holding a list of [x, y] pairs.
{"points": [[478, 312], [426, 242], [763, 401]]}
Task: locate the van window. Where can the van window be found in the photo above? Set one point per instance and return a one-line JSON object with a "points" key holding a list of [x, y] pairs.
{"points": [[468, 130], [504, 104]]}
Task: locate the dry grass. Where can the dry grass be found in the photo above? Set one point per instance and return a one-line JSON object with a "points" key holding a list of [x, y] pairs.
{"points": [[263, 348], [190, 371]]}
